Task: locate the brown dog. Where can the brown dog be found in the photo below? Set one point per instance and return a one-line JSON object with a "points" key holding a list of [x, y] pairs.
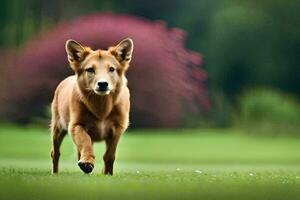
{"points": [[93, 104]]}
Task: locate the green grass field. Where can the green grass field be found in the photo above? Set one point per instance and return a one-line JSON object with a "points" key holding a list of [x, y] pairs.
{"points": [[195, 164]]}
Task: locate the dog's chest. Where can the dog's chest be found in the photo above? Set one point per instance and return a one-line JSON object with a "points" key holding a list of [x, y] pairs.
{"points": [[99, 130]]}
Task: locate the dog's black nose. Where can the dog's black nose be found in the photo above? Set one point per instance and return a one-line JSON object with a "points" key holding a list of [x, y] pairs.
{"points": [[102, 85]]}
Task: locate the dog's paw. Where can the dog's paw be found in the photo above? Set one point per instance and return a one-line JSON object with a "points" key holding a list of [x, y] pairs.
{"points": [[86, 167]]}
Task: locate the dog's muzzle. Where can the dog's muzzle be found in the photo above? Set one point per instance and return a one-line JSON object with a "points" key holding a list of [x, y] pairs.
{"points": [[102, 88]]}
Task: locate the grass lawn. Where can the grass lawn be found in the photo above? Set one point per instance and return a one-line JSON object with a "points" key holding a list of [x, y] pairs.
{"points": [[195, 164]]}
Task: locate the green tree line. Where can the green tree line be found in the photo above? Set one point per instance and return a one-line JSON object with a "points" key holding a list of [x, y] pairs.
{"points": [[245, 44]]}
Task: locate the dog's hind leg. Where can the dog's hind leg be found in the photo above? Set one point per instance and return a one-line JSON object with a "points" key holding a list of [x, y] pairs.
{"points": [[57, 138]]}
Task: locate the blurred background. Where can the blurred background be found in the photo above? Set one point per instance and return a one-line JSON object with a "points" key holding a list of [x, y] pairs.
{"points": [[196, 64], [215, 94]]}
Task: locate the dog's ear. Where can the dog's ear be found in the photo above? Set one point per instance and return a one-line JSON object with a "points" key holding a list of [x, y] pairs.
{"points": [[76, 52], [123, 51]]}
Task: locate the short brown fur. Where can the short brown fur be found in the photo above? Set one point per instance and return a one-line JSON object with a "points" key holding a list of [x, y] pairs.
{"points": [[88, 113]]}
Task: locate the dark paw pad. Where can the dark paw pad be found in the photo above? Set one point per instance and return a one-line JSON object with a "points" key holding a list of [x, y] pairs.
{"points": [[86, 167]]}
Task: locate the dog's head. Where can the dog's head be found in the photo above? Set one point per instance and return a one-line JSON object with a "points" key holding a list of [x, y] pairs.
{"points": [[99, 71]]}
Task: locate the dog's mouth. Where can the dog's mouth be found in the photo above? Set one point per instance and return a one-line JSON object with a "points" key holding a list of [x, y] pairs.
{"points": [[102, 91]]}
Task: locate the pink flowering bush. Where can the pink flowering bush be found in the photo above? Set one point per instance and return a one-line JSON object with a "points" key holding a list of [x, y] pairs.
{"points": [[166, 79]]}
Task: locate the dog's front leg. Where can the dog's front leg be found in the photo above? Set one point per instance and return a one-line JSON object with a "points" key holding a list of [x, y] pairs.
{"points": [[84, 146], [111, 146]]}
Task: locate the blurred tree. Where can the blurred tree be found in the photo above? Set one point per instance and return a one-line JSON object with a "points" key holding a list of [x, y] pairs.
{"points": [[245, 43], [255, 43], [165, 78]]}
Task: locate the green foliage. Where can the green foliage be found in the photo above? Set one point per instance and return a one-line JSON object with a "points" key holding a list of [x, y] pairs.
{"points": [[197, 164], [265, 110], [254, 43], [244, 43]]}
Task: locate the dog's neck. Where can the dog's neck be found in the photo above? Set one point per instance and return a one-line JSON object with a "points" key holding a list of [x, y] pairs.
{"points": [[99, 106]]}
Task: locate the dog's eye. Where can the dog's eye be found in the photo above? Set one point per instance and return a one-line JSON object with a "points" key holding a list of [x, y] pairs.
{"points": [[112, 69], [90, 70]]}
